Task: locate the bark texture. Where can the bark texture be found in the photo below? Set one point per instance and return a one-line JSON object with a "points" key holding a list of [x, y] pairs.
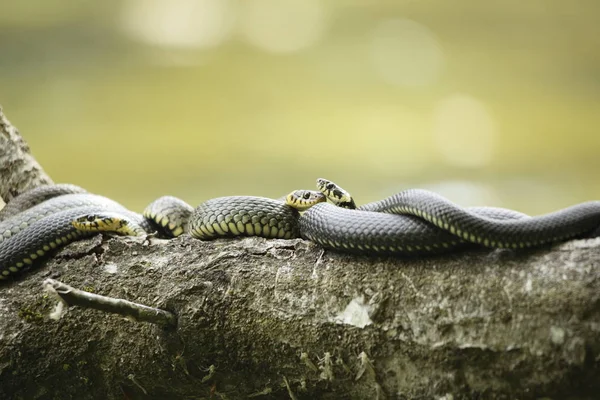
{"points": [[254, 314], [19, 171]]}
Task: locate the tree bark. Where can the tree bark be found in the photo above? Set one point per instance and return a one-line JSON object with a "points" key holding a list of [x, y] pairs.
{"points": [[255, 313], [19, 171], [284, 319]]}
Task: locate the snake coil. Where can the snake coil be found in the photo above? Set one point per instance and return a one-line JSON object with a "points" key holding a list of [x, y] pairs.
{"points": [[411, 222]]}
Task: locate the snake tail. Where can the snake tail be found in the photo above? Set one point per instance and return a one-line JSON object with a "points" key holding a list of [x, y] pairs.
{"points": [[571, 222]]}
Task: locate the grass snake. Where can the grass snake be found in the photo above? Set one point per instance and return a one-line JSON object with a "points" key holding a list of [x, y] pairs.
{"points": [[52, 216], [410, 222]]}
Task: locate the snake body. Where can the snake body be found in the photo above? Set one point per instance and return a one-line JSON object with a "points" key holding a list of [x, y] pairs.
{"points": [[431, 224], [49, 233], [412, 221], [244, 216], [420, 221], [53, 222], [168, 215], [21, 221], [36, 196], [485, 230]]}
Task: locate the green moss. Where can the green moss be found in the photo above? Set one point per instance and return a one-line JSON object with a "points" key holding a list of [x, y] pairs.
{"points": [[30, 315], [36, 311]]}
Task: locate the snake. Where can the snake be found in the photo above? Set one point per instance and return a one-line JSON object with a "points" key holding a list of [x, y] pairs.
{"points": [[46, 218], [414, 221], [417, 221]]}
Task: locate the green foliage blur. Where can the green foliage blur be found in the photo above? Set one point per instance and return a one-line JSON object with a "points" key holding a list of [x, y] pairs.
{"points": [[488, 103]]}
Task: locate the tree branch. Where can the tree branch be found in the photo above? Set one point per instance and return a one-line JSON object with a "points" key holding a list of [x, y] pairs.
{"points": [[137, 312], [19, 171], [253, 311]]}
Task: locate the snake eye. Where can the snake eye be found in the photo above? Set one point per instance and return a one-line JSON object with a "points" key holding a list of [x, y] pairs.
{"points": [[90, 218], [330, 186], [306, 195]]}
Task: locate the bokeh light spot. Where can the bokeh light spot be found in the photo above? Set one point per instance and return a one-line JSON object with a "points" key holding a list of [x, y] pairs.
{"points": [[282, 26], [464, 131], [406, 53], [178, 23]]}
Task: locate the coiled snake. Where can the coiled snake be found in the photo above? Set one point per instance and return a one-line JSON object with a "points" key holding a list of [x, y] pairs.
{"points": [[410, 222]]}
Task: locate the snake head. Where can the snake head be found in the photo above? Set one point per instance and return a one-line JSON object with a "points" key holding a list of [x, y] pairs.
{"points": [[106, 222], [302, 200], [335, 193]]}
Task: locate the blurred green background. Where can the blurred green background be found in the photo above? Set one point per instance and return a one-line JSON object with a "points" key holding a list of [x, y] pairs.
{"points": [[494, 103]]}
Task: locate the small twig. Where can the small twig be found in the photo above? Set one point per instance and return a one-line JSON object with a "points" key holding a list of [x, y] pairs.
{"points": [[289, 389], [132, 378], [137, 312]]}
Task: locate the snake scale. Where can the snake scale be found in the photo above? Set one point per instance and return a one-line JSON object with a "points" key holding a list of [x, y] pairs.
{"points": [[410, 222]]}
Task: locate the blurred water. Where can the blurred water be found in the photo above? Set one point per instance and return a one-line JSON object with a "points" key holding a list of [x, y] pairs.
{"points": [[492, 103]]}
